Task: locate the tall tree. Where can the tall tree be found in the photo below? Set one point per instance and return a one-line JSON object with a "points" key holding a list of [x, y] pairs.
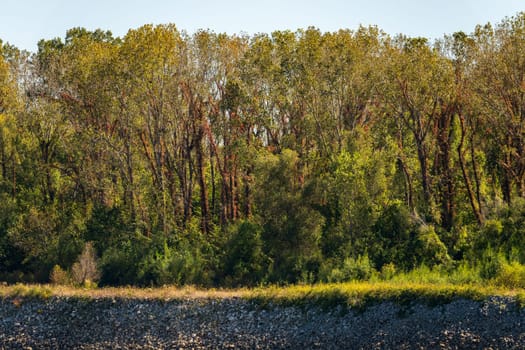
{"points": [[499, 82], [421, 100]]}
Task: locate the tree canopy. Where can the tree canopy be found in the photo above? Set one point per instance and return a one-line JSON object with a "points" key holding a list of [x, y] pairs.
{"points": [[220, 159]]}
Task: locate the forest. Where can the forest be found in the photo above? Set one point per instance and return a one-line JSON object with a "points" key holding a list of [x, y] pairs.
{"points": [[163, 157]]}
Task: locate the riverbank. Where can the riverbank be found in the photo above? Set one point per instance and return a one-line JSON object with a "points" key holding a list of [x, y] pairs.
{"points": [[230, 320]]}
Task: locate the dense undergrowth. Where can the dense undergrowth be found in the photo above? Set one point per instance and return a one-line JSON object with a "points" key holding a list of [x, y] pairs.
{"points": [[333, 296], [429, 286]]}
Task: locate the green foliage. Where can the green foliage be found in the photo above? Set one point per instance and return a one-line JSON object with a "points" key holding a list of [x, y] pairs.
{"points": [[359, 185], [107, 227], [491, 264], [496, 268], [388, 271], [402, 239], [119, 264], [463, 274], [290, 157], [360, 295], [11, 255], [394, 237], [245, 263], [35, 233], [511, 276], [429, 247], [359, 269], [187, 260], [177, 265], [59, 276], [291, 227]]}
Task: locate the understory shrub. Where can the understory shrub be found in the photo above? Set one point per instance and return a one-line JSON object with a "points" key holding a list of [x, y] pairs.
{"points": [[85, 271], [430, 248], [119, 265], [59, 276], [179, 264], [245, 262], [353, 269], [491, 264], [511, 275]]}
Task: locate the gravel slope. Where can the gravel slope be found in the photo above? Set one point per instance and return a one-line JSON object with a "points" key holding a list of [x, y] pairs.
{"points": [[72, 323]]}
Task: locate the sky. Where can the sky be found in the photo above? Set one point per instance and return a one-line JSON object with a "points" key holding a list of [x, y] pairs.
{"points": [[24, 22]]}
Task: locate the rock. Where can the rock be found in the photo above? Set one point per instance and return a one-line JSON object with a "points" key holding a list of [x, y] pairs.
{"points": [[236, 323]]}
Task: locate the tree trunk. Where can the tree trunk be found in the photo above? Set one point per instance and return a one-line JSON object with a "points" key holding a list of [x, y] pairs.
{"points": [[409, 188], [186, 181], [506, 187], [198, 130], [213, 188], [475, 207], [205, 210], [130, 189], [425, 182], [476, 175], [3, 157], [444, 171], [506, 184]]}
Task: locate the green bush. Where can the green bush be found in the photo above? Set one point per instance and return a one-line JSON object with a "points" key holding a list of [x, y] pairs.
{"points": [[463, 273], [394, 231], [511, 275], [489, 235], [173, 263], [503, 231], [59, 276], [119, 265], [491, 264], [353, 269], [430, 248], [291, 226], [402, 240], [245, 262], [388, 271]]}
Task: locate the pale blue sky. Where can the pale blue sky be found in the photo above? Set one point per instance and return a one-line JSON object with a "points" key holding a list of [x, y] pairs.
{"points": [[23, 23]]}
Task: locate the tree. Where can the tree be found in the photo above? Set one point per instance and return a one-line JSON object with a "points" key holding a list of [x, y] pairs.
{"points": [[291, 227], [8, 126], [421, 99], [85, 271], [150, 57], [498, 82], [461, 49], [275, 157]]}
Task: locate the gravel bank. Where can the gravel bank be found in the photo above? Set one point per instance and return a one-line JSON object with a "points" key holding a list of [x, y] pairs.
{"points": [[72, 323]]}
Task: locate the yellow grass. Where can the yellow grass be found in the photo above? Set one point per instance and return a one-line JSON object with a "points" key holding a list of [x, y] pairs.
{"points": [[161, 293], [352, 294], [362, 294]]}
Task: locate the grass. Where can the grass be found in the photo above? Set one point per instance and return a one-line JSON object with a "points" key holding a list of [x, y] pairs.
{"points": [[430, 286], [359, 295], [26, 291], [356, 295], [159, 293]]}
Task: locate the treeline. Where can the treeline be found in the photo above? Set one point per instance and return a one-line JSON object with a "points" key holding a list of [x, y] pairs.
{"points": [[302, 156]]}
